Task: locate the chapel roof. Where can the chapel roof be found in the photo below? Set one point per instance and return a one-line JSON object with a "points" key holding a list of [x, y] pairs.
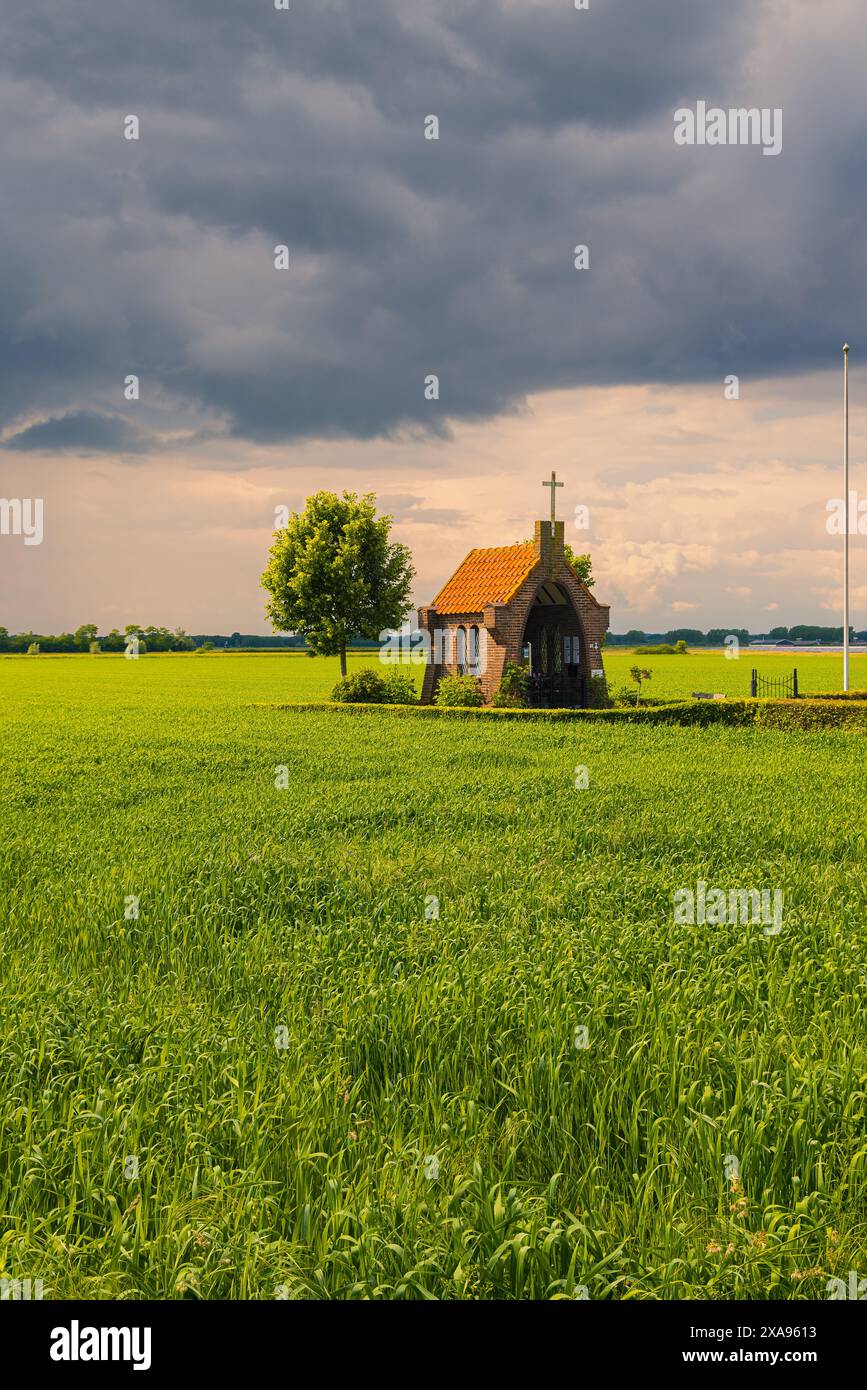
{"points": [[486, 576]]}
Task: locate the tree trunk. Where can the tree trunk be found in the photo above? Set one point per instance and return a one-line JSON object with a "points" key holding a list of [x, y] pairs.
{"points": [[343, 661]]}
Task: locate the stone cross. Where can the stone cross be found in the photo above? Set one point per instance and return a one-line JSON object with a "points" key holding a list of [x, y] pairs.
{"points": [[552, 485]]}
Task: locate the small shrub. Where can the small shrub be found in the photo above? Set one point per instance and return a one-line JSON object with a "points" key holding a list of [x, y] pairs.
{"points": [[596, 693], [400, 688], [362, 688], [94, 648], [624, 696], [459, 691], [33, 649], [663, 649], [512, 690]]}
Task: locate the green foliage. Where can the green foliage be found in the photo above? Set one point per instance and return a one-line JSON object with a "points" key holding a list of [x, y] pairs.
{"points": [[157, 639], [33, 649], [581, 564], [716, 636], [639, 674], [400, 687], [94, 648], [333, 573], [390, 686], [462, 691], [597, 695], [810, 632], [625, 695], [812, 714], [662, 649], [361, 688], [839, 695], [512, 690], [303, 1168], [779, 714]]}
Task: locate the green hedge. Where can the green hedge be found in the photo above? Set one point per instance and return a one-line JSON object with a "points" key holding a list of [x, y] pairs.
{"points": [[772, 714], [812, 714], [838, 695]]}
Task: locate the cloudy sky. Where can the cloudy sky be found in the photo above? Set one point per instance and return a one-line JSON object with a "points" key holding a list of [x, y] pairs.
{"points": [[411, 257]]}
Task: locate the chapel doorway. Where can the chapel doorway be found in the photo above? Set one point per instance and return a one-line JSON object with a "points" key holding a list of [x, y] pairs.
{"points": [[553, 650]]}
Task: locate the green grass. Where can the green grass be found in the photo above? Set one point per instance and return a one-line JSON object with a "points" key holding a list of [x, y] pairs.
{"points": [[712, 671], [303, 1170]]}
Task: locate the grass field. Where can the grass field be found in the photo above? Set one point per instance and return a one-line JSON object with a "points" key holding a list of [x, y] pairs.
{"points": [[283, 1077]]}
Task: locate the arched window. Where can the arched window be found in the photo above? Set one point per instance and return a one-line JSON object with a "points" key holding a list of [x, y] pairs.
{"points": [[461, 661], [475, 652]]}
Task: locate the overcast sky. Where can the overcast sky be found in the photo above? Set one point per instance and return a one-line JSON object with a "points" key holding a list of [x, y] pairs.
{"points": [[410, 257]]}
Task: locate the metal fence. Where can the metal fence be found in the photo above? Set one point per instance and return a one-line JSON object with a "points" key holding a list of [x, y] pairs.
{"points": [[775, 687]]}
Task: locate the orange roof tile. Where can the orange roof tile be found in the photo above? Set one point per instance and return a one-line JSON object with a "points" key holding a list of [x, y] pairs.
{"points": [[486, 576]]}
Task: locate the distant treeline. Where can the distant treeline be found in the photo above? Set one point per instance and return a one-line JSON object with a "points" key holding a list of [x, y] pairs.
{"points": [[273, 639], [160, 639], [150, 639], [716, 636]]}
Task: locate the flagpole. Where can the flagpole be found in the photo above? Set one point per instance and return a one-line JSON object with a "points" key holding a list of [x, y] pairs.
{"points": [[845, 516]]}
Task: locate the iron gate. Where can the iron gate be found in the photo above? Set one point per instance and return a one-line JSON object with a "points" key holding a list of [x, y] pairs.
{"points": [[777, 687]]}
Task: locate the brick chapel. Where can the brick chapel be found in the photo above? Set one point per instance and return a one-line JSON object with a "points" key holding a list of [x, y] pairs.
{"points": [[519, 604]]}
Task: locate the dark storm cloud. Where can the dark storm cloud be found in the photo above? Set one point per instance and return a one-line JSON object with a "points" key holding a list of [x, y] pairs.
{"points": [[83, 432], [408, 257]]}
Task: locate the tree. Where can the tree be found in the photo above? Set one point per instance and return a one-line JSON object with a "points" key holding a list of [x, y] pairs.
{"points": [[334, 573], [581, 564], [639, 674], [84, 635]]}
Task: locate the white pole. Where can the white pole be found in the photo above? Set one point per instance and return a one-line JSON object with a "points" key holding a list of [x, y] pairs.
{"points": [[846, 516]]}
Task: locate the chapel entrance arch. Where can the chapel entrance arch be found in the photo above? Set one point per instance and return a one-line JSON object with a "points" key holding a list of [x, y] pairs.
{"points": [[554, 649]]}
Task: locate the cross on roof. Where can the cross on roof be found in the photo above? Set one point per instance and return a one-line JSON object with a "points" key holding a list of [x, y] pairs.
{"points": [[552, 485]]}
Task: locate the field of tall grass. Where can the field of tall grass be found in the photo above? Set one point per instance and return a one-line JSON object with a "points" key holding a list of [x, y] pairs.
{"points": [[300, 1006]]}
